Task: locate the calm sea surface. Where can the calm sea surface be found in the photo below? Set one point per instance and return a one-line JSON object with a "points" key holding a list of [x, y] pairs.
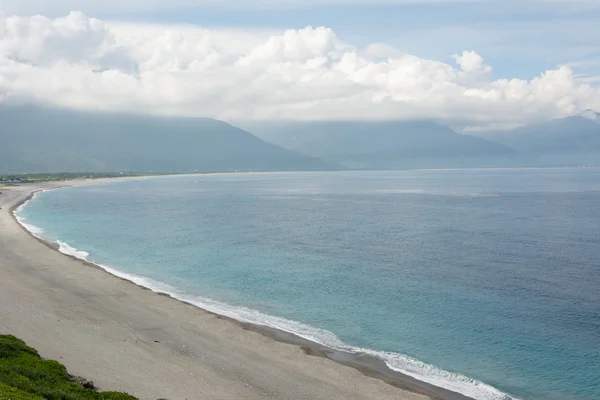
{"points": [[486, 282]]}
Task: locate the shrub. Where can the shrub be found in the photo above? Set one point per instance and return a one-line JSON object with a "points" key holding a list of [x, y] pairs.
{"points": [[25, 376]]}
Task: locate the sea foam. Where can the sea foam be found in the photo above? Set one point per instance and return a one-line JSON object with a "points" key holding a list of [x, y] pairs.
{"points": [[71, 251], [398, 362], [34, 230]]}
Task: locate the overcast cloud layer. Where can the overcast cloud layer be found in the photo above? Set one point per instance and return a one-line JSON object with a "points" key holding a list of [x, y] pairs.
{"points": [[83, 62]]}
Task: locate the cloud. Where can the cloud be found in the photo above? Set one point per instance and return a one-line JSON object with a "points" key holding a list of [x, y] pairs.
{"points": [[43, 41], [81, 62], [472, 63], [555, 39]]}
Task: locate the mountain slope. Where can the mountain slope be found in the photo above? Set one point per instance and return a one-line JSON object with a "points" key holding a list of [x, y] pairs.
{"points": [[395, 144], [571, 134], [565, 140], [37, 139]]}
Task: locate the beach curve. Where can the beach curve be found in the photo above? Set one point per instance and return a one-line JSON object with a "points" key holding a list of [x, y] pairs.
{"points": [[132, 339]]}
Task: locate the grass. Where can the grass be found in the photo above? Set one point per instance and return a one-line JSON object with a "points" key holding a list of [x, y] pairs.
{"points": [[25, 376], [11, 393]]}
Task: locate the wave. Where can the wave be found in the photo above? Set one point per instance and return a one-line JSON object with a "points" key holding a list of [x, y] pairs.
{"points": [[34, 230], [71, 251], [395, 361]]}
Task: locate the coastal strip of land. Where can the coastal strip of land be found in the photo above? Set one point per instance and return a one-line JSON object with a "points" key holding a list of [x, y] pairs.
{"points": [[129, 339]]}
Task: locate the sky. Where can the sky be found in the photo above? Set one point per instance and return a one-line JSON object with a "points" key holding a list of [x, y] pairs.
{"points": [[483, 64]]}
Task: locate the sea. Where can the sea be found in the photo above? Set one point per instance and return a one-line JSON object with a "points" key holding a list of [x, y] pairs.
{"points": [[484, 282]]}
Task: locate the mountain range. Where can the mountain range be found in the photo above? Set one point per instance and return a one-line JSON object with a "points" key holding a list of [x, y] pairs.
{"points": [[387, 145], [35, 139], [563, 141], [426, 144]]}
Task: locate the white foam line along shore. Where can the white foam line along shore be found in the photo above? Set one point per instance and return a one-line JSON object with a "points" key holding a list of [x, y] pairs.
{"points": [[397, 362]]}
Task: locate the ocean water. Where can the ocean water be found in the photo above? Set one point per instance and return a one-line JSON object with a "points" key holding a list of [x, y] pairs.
{"points": [[485, 282]]}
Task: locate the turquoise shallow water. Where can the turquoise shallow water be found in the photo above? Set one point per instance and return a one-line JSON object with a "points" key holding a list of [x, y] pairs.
{"points": [[456, 277]]}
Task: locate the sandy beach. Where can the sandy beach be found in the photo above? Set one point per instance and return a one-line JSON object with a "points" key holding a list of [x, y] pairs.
{"points": [[127, 338]]}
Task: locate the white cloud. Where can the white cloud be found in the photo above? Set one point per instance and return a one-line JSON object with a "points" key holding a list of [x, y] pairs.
{"points": [[552, 41], [82, 62], [472, 63]]}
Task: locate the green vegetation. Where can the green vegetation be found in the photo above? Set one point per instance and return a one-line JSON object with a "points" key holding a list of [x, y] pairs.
{"points": [[25, 376], [11, 393], [66, 176]]}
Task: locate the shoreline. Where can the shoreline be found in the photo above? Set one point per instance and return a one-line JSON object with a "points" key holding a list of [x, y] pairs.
{"points": [[368, 365]]}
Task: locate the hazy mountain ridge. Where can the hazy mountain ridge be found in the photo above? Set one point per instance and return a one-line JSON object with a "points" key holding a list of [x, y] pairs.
{"points": [[571, 140], [35, 139], [556, 136], [390, 144]]}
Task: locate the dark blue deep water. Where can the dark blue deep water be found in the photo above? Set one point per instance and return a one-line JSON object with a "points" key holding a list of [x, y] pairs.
{"points": [[482, 281]]}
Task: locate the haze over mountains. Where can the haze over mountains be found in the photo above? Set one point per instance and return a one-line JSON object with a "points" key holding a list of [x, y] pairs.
{"points": [[565, 141], [426, 144], [35, 139], [387, 145]]}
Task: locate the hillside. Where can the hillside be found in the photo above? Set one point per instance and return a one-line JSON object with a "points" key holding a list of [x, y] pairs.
{"points": [[35, 139], [575, 138], [386, 145], [24, 375]]}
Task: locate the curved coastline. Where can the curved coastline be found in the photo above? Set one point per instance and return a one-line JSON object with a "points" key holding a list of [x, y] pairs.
{"points": [[369, 364]]}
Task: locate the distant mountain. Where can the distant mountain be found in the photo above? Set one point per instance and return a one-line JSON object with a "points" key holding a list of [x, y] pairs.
{"points": [[386, 145], [572, 140], [34, 139]]}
